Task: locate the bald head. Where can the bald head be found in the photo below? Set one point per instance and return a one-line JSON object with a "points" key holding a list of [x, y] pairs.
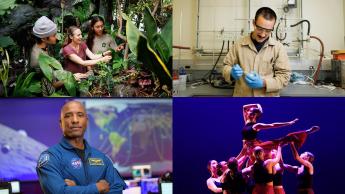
{"points": [[71, 103]]}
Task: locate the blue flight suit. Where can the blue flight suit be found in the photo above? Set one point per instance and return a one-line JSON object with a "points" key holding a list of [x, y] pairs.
{"points": [[62, 162]]}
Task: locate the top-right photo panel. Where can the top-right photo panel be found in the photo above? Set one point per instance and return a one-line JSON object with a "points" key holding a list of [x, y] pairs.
{"points": [[259, 48]]}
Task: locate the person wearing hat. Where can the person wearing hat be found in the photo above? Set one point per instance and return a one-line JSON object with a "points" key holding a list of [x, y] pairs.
{"points": [[44, 31]]}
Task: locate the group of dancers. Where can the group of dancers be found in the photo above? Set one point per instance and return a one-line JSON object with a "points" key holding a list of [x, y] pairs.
{"points": [[264, 167]]}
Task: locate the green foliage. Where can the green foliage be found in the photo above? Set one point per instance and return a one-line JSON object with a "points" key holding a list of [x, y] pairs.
{"points": [[152, 61], [47, 65], [153, 50], [6, 5], [132, 33], [52, 68], [68, 81], [4, 68], [27, 86], [150, 26], [82, 10], [166, 34], [6, 41]]}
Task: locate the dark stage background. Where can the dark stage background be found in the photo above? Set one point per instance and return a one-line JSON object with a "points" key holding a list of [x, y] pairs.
{"points": [[210, 128]]}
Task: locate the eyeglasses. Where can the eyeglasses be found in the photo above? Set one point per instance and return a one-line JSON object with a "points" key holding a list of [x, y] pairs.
{"points": [[261, 29]]}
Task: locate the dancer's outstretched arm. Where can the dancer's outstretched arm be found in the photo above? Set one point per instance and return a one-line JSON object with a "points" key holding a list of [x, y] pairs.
{"points": [[299, 159], [261, 126]]}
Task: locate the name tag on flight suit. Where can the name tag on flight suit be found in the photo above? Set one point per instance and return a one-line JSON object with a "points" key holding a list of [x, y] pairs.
{"points": [[96, 162]]}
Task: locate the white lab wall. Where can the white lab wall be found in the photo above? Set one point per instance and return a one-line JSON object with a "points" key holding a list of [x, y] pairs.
{"points": [[326, 18], [184, 25]]}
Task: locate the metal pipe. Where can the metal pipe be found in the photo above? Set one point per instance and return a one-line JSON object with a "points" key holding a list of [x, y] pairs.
{"points": [[316, 75]]}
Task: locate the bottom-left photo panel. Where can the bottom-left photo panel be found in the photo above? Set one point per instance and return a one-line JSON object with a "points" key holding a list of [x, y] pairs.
{"points": [[60, 145]]}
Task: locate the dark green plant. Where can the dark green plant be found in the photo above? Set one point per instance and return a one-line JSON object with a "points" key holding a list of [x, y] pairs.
{"points": [[154, 49], [6, 5], [82, 10], [27, 86], [4, 69], [52, 68]]}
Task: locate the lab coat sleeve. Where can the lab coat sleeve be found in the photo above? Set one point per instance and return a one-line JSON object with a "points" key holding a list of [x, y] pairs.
{"points": [[282, 72], [52, 181], [113, 177], [229, 60]]}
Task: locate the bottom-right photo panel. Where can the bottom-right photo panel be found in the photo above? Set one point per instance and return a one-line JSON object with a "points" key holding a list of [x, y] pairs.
{"points": [[258, 145]]}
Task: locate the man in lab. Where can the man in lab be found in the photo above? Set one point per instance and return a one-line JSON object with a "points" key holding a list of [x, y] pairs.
{"points": [[258, 63], [73, 166]]}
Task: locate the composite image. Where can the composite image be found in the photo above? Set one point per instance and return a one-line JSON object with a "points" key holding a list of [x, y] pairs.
{"points": [[172, 96]]}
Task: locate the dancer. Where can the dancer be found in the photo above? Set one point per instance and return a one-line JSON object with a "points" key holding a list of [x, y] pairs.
{"points": [[233, 181], [304, 172], [278, 171], [263, 171], [251, 114], [213, 183]]}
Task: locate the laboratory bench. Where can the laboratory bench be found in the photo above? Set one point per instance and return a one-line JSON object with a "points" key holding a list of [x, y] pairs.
{"points": [[292, 90]]}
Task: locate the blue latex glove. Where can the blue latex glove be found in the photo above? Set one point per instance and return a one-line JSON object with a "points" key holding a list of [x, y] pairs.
{"points": [[254, 80], [236, 72]]}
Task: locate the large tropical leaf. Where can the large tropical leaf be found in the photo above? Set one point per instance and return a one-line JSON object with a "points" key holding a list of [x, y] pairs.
{"points": [[27, 86], [166, 34], [152, 61], [6, 4], [150, 26], [6, 41], [35, 87], [162, 48], [68, 81], [132, 33], [50, 61], [47, 64]]}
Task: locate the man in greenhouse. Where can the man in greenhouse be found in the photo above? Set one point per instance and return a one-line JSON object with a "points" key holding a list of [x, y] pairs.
{"points": [[73, 166], [44, 31]]}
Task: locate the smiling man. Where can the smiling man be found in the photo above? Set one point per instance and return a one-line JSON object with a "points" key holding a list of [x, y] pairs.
{"points": [[258, 63], [73, 166]]}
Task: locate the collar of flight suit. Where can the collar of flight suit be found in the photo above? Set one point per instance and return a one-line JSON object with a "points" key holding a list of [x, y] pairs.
{"points": [[65, 144]]}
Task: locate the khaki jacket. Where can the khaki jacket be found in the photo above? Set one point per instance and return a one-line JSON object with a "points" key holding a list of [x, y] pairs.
{"points": [[271, 63]]}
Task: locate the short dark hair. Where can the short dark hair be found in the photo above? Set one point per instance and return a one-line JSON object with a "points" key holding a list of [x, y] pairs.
{"points": [[266, 12]]}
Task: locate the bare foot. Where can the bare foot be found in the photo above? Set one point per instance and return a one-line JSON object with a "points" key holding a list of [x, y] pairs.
{"points": [[313, 129]]}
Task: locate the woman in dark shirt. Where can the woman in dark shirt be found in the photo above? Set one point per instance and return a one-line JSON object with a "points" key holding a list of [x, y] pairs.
{"points": [[278, 171], [213, 183], [233, 181], [304, 172], [263, 171], [251, 114]]}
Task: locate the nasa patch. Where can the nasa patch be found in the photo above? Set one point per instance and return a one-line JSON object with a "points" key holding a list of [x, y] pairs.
{"points": [[76, 163], [44, 158]]}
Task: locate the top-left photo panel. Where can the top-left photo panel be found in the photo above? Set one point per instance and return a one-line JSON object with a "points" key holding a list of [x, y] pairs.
{"points": [[86, 48]]}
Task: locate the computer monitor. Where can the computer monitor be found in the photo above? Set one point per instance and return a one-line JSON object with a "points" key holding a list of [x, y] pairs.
{"points": [[141, 171], [5, 188], [166, 188], [15, 187], [4, 191]]}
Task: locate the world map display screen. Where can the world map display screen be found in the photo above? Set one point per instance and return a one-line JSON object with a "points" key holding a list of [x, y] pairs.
{"points": [[130, 131]]}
